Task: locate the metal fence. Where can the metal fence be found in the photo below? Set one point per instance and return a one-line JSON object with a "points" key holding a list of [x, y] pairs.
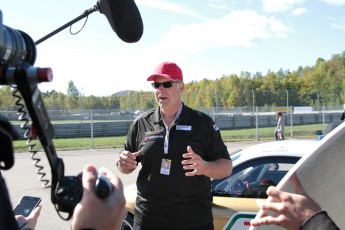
{"points": [[105, 123]]}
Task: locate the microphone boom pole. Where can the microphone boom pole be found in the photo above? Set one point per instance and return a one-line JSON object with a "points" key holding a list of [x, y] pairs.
{"points": [[85, 14]]}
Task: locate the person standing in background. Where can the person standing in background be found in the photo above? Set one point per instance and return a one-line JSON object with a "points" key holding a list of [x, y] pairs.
{"points": [[279, 131]]}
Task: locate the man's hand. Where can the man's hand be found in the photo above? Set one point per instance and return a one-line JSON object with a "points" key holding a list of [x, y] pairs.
{"points": [[126, 162], [194, 163]]}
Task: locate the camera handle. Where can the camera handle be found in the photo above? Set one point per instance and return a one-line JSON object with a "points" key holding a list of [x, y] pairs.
{"points": [[26, 78], [66, 191]]}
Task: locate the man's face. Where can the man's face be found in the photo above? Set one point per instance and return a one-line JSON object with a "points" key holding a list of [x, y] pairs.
{"points": [[168, 97]]}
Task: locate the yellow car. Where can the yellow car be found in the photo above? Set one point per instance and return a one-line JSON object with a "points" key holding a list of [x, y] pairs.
{"points": [[254, 170]]}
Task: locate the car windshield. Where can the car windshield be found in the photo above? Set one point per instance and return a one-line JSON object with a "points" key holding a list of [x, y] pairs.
{"points": [[252, 179]]}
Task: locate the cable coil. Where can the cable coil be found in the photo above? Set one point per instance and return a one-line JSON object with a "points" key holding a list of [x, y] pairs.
{"points": [[22, 116]]}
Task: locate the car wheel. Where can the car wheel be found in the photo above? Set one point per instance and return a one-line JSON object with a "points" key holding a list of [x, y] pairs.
{"points": [[127, 223]]}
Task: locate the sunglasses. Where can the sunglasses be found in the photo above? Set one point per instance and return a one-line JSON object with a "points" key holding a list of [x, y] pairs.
{"points": [[167, 84]]}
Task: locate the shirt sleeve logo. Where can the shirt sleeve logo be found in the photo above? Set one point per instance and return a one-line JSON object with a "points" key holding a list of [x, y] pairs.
{"points": [[215, 127]]}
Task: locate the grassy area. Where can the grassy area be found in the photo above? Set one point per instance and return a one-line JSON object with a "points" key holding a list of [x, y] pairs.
{"points": [[265, 133], [76, 143]]}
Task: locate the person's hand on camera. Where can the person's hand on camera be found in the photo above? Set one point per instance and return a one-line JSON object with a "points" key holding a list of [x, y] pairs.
{"points": [[31, 220], [95, 213], [290, 210]]}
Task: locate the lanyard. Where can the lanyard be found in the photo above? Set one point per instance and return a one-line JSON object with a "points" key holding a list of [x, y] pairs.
{"points": [[166, 139]]}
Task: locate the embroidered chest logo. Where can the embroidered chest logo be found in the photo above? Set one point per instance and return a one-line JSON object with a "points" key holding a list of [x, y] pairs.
{"points": [[184, 127], [153, 137]]}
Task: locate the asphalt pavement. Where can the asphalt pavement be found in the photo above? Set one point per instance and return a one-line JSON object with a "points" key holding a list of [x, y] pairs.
{"points": [[22, 179]]}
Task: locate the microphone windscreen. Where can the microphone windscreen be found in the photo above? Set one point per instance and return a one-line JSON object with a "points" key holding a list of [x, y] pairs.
{"points": [[124, 18]]}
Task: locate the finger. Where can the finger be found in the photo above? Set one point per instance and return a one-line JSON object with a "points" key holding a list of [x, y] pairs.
{"points": [[31, 220], [262, 212], [267, 206], [193, 173], [116, 182], [275, 193], [127, 164], [296, 184], [128, 160], [104, 171], [263, 221], [130, 155], [20, 217], [36, 212], [89, 177], [190, 154], [189, 149]]}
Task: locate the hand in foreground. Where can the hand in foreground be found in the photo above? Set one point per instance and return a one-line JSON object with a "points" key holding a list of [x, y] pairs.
{"points": [[31, 220], [290, 210], [95, 213]]}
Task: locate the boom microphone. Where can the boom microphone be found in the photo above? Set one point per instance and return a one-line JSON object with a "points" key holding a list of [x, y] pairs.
{"points": [[124, 18]]}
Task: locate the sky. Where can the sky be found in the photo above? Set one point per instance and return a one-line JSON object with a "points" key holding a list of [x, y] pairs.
{"points": [[206, 38]]}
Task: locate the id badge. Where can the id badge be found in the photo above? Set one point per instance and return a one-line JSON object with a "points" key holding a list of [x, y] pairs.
{"points": [[165, 166]]}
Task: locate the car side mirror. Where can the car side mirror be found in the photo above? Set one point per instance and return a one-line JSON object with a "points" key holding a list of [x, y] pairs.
{"points": [[318, 132]]}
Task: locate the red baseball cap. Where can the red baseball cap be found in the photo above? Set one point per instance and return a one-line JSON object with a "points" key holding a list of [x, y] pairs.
{"points": [[168, 70]]}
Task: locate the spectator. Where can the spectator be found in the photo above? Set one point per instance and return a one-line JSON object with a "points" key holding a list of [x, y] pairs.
{"points": [[279, 131]]}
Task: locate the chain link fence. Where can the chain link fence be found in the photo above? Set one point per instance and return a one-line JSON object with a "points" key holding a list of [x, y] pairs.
{"points": [[115, 122]]}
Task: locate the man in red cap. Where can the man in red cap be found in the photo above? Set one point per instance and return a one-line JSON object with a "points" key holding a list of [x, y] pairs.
{"points": [[179, 149]]}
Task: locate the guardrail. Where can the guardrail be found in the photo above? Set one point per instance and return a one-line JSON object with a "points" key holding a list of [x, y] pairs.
{"points": [[82, 128], [86, 129]]}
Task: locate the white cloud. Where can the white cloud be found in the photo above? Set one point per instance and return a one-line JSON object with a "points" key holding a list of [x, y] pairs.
{"points": [[115, 69], [239, 28], [218, 4], [280, 5], [168, 6], [337, 23], [334, 2], [299, 11]]}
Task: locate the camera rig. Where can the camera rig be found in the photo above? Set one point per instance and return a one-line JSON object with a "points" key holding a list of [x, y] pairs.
{"points": [[18, 54]]}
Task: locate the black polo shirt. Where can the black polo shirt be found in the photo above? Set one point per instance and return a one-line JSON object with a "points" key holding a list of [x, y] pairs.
{"points": [[174, 201]]}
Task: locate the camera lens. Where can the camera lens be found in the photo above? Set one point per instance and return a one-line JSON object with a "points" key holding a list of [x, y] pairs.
{"points": [[17, 46]]}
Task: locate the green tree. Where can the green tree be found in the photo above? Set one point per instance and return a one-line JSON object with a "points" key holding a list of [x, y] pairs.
{"points": [[7, 100], [73, 95]]}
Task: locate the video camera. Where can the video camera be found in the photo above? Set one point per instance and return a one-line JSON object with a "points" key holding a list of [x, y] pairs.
{"points": [[18, 55]]}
